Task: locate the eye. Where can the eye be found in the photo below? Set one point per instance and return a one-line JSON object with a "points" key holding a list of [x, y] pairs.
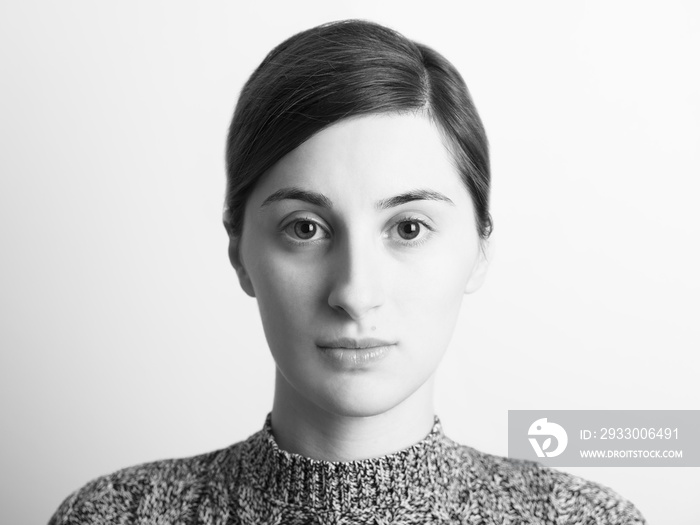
{"points": [[409, 230], [304, 230]]}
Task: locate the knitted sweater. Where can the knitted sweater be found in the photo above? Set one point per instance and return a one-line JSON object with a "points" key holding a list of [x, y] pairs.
{"points": [[254, 482]]}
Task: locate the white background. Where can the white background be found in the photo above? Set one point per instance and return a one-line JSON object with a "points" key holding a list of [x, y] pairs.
{"points": [[125, 337]]}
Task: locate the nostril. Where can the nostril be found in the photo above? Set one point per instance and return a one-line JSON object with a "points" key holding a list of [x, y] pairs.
{"points": [[356, 304]]}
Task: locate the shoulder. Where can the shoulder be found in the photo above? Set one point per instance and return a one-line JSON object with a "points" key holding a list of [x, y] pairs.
{"points": [[167, 488], [538, 490], [579, 500]]}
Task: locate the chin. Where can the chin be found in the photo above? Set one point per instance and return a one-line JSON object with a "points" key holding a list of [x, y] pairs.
{"points": [[357, 409], [360, 400]]}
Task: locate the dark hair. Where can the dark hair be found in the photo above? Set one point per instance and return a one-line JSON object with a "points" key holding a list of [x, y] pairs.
{"points": [[344, 69]]}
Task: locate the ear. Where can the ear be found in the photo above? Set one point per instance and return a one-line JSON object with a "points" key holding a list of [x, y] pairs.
{"points": [[234, 255], [478, 275]]}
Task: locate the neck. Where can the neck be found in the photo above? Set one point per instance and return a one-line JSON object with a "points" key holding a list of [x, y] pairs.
{"points": [[302, 427]]}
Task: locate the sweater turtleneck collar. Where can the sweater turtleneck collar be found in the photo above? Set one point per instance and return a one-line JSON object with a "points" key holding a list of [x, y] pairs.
{"points": [[417, 475]]}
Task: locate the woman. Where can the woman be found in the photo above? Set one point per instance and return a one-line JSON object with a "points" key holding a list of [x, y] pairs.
{"points": [[357, 213]]}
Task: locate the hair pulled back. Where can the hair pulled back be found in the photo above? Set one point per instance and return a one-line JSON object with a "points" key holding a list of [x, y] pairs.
{"points": [[340, 70]]}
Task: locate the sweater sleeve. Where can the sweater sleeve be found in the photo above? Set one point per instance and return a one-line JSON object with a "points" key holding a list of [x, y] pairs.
{"points": [[577, 500], [104, 500], [166, 491], [62, 514]]}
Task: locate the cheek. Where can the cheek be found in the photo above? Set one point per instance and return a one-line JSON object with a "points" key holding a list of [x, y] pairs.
{"points": [[287, 293], [429, 293], [440, 270]]}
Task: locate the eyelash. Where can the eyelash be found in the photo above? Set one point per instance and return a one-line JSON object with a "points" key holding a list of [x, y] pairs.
{"points": [[423, 223], [404, 242], [297, 242]]}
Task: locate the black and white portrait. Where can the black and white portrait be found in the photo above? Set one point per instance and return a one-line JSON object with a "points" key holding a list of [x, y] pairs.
{"points": [[295, 263]]}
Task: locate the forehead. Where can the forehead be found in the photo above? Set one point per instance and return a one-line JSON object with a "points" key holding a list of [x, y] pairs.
{"points": [[373, 156]]}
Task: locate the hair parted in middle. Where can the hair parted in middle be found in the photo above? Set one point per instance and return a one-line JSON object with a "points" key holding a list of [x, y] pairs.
{"points": [[340, 70]]}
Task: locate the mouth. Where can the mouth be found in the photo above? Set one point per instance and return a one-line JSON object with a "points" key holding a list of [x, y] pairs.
{"points": [[349, 354], [348, 343]]}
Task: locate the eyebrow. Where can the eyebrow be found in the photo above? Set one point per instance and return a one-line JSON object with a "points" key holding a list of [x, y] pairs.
{"points": [[318, 199]]}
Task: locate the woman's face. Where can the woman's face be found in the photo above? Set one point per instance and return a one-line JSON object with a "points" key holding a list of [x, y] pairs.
{"points": [[363, 236]]}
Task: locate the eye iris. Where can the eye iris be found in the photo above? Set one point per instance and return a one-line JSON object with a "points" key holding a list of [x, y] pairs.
{"points": [[409, 229], [305, 229]]}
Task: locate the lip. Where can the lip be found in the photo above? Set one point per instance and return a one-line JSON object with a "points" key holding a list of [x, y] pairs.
{"points": [[348, 353], [355, 344]]}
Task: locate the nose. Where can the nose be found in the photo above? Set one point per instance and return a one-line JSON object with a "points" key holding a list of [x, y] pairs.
{"points": [[356, 277]]}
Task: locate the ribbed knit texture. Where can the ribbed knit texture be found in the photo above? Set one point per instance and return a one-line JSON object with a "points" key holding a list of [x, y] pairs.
{"points": [[254, 482]]}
